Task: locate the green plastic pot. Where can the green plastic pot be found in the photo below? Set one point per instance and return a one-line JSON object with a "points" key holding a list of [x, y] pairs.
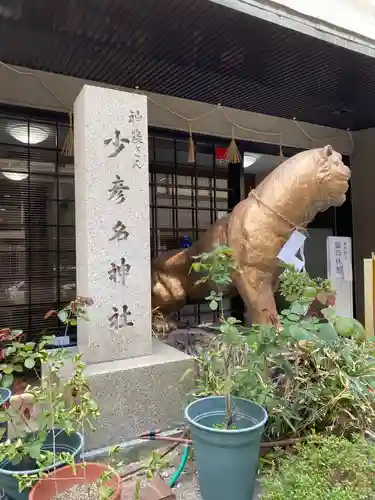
{"points": [[71, 443], [226, 459]]}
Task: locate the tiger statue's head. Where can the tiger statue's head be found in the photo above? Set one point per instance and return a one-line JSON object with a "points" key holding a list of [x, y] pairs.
{"points": [[332, 176]]}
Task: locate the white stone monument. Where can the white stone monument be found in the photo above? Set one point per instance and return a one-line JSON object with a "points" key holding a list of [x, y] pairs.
{"points": [[135, 379], [112, 223]]}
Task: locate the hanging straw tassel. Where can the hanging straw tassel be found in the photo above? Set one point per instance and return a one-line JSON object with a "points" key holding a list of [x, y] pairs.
{"points": [[68, 147], [191, 154], [233, 155], [281, 155]]}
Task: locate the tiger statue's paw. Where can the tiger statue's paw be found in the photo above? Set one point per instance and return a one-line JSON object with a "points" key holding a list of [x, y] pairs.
{"points": [[162, 326]]}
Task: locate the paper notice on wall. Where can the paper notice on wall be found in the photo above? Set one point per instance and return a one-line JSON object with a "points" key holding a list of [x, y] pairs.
{"points": [[340, 258], [340, 272], [291, 248]]}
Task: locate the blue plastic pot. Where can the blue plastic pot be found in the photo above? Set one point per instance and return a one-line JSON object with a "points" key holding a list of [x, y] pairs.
{"points": [[227, 460], [71, 443], [5, 395]]}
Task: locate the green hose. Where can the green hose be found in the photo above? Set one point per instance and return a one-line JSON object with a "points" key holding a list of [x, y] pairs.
{"points": [[175, 477]]}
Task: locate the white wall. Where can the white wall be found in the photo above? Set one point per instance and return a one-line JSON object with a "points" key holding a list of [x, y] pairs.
{"points": [[347, 23], [356, 16], [28, 91]]}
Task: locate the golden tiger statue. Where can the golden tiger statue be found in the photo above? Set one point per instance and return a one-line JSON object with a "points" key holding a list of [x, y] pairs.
{"points": [[256, 230]]}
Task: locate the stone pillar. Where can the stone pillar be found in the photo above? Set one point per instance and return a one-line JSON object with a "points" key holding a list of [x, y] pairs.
{"points": [[135, 379], [112, 223]]}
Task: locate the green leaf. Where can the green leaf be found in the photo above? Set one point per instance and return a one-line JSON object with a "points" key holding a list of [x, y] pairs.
{"points": [[213, 305], [232, 321], [309, 292], [29, 363], [4, 417], [34, 450], [327, 333], [293, 317], [287, 367], [298, 308], [291, 297], [298, 333], [343, 326], [231, 334], [359, 332], [63, 316], [7, 380], [261, 349], [309, 325], [8, 369], [329, 313]]}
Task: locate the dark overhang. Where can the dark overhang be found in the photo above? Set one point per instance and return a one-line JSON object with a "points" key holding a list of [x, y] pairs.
{"points": [[194, 49]]}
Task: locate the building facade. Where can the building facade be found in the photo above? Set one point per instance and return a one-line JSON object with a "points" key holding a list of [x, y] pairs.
{"points": [[226, 71]]}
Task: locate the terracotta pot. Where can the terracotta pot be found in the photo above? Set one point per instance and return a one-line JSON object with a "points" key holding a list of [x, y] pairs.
{"points": [[62, 479]]}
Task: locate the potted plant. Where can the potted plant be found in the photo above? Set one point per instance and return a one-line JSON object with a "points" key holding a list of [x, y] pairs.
{"points": [[10, 366], [82, 481], [68, 317], [226, 430], [52, 432], [315, 371]]}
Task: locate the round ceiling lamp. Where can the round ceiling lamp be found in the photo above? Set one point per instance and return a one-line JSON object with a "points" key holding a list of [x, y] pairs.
{"points": [[249, 159], [15, 176], [33, 134]]}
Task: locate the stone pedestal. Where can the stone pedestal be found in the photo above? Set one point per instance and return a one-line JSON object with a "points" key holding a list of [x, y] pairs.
{"points": [[136, 395], [136, 381]]}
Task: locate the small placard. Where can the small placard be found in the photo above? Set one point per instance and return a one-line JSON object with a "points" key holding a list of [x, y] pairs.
{"points": [[340, 258], [340, 273], [61, 341], [291, 248]]}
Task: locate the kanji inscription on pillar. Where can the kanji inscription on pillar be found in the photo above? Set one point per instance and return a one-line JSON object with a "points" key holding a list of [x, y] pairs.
{"points": [[112, 223]]}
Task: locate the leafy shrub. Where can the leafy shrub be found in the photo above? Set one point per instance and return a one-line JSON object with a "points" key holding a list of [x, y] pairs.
{"points": [[311, 372], [323, 468], [308, 376]]}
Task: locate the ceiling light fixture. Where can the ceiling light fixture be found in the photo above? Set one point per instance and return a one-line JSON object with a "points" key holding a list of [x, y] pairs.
{"points": [[33, 134], [15, 176], [249, 160]]}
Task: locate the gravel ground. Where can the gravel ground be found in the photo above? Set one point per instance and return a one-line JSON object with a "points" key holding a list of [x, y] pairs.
{"points": [[187, 488]]}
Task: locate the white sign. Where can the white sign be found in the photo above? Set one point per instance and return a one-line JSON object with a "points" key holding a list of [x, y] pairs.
{"points": [[61, 341], [340, 272], [340, 258], [292, 246]]}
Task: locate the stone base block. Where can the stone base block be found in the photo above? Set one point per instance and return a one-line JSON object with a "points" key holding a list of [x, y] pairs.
{"points": [[137, 395]]}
